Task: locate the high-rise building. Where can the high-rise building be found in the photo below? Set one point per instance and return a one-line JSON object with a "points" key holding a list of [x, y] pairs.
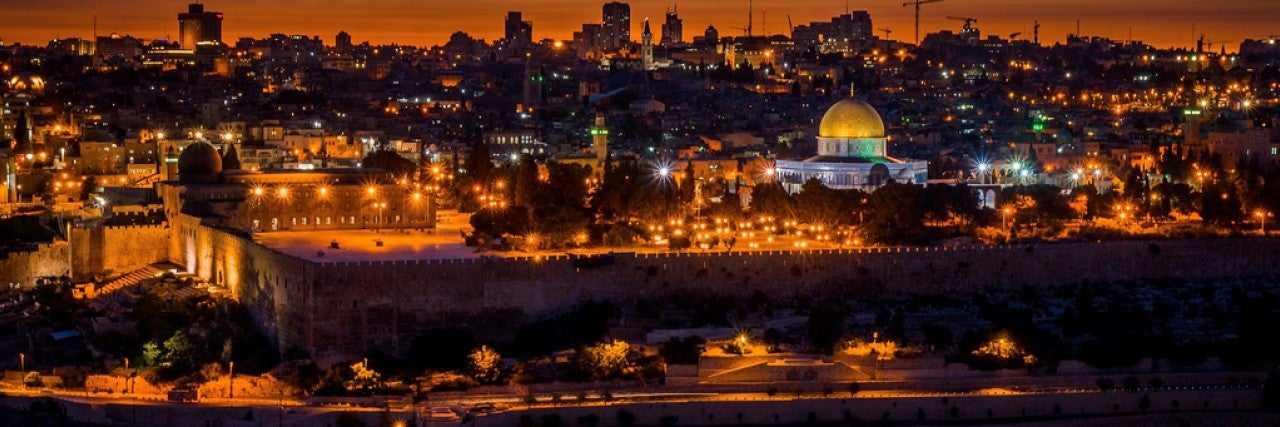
{"points": [[198, 26], [589, 41], [342, 42], [673, 29], [518, 31], [845, 28], [617, 25], [646, 46]]}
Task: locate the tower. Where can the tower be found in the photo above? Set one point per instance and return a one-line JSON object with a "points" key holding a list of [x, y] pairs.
{"points": [[673, 28], [616, 24], [600, 139], [646, 46], [342, 42], [198, 26], [532, 85], [518, 31]]}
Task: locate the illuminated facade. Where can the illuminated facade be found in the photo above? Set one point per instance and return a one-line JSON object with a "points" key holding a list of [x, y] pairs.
{"points": [[851, 153], [199, 27], [292, 200]]}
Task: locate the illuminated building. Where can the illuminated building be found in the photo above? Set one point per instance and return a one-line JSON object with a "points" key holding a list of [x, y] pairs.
{"points": [[673, 29], [616, 30], [198, 26], [210, 187], [851, 153], [837, 34]]}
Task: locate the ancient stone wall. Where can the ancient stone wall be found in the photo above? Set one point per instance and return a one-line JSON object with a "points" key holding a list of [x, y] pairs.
{"points": [[339, 310], [24, 268], [356, 306], [108, 251]]}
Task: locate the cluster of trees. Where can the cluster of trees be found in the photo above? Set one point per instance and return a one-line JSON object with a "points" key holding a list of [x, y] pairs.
{"points": [[547, 210], [892, 213], [181, 337]]}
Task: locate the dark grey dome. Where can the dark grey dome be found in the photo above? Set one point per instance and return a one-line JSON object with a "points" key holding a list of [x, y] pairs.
{"points": [[199, 163]]}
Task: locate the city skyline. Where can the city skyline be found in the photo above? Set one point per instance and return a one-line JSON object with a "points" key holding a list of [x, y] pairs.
{"points": [[403, 22]]}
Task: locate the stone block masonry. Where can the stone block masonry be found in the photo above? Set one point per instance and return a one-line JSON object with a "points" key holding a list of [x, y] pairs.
{"points": [[109, 251], [24, 268], [339, 310]]}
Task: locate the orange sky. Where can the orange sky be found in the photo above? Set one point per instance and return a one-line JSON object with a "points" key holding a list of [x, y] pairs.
{"points": [[427, 22]]}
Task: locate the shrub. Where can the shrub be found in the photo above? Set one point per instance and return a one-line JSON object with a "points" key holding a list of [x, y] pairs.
{"points": [[626, 419]]}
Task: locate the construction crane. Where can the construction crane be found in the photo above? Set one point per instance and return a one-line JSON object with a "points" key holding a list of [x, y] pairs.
{"points": [[1202, 44], [751, 14], [1014, 36], [886, 32], [1210, 44], [917, 4], [968, 22]]}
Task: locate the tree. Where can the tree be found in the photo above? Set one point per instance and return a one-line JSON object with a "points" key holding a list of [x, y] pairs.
{"points": [[389, 161], [364, 377], [818, 204], [151, 354], [605, 360], [485, 365], [89, 187], [826, 326], [770, 199], [626, 418], [179, 350], [895, 209]]}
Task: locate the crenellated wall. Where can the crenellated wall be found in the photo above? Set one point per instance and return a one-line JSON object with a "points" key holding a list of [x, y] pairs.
{"points": [[108, 251], [339, 310], [25, 267]]}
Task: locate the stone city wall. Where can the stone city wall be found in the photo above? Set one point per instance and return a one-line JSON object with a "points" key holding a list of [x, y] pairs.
{"points": [[107, 251], [23, 268], [359, 305], [339, 310], [274, 286]]}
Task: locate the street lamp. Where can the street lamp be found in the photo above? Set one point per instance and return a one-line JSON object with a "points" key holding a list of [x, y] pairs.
{"points": [[1262, 217], [1005, 217]]}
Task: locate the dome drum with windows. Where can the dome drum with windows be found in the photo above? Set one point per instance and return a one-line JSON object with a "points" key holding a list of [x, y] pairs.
{"points": [[851, 153]]}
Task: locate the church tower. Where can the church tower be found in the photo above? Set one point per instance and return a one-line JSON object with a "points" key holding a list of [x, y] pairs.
{"points": [[646, 46]]}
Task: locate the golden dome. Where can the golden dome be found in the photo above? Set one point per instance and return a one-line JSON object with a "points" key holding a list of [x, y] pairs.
{"points": [[851, 118]]}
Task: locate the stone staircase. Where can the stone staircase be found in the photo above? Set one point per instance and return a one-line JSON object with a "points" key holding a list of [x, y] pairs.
{"points": [[127, 280]]}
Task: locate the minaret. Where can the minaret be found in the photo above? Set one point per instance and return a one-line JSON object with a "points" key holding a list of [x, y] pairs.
{"points": [[533, 78], [646, 46], [600, 139]]}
